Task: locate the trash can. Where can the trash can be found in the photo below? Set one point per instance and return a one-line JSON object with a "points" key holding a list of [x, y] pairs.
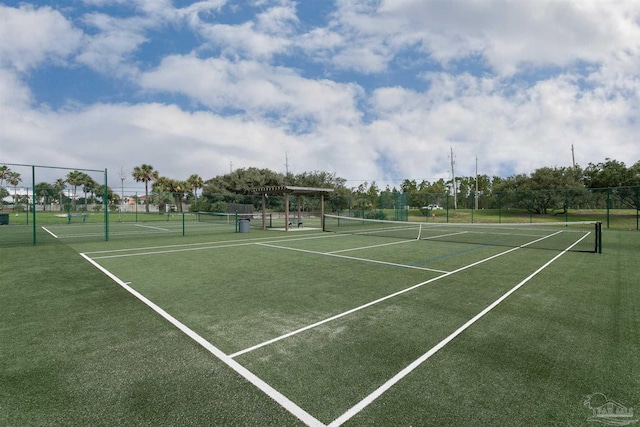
{"points": [[243, 225], [4, 219]]}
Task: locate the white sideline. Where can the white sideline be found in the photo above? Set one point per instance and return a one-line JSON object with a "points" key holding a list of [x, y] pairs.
{"points": [[294, 409], [406, 371], [48, 231]]}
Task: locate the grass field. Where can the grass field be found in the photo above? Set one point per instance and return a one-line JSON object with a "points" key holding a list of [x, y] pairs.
{"points": [[283, 329]]}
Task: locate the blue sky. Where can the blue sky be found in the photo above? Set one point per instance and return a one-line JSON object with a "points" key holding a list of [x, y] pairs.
{"points": [[372, 90]]}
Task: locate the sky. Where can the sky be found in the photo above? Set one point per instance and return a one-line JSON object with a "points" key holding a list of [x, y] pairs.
{"points": [[371, 90]]}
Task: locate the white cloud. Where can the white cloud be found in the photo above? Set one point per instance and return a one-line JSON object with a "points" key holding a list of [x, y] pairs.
{"points": [[243, 40], [256, 88], [510, 131], [110, 49], [50, 37], [508, 35], [14, 94]]}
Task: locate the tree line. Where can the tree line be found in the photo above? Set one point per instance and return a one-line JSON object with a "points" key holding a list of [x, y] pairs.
{"points": [[235, 186]]}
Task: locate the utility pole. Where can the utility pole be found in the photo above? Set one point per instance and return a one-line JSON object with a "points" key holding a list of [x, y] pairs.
{"points": [[453, 182], [286, 167], [230, 166], [122, 176], [573, 156]]}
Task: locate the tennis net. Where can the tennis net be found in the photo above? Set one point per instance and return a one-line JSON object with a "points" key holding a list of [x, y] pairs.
{"points": [[583, 236], [231, 219]]}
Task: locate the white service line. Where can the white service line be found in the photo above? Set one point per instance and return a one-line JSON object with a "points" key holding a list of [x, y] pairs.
{"points": [[332, 254], [285, 402], [153, 228], [395, 243], [192, 247], [406, 371], [372, 246]]}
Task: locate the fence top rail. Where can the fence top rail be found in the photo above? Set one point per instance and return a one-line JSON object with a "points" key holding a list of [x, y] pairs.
{"points": [[53, 167]]}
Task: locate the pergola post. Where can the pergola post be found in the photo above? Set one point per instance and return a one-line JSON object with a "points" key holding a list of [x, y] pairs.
{"points": [[264, 211], [286, 211]]}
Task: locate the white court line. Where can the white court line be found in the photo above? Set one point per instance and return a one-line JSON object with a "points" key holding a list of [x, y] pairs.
{"points": [[47, 230], [379, 300], [395, 243], [281, 399], [332, 254], [372, 246], [153, 228], [171, 251], [211, 245], [353, 310], [406, 371]]}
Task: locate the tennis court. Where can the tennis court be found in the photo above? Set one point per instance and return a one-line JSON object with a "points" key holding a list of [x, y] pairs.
{"points": [[375, 325]]}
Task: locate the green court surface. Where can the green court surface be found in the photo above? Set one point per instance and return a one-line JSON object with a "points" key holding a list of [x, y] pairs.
{"points": [[318, 328]]}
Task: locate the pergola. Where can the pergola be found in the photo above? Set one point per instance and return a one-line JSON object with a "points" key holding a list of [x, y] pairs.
{"points": [[287, 191]]}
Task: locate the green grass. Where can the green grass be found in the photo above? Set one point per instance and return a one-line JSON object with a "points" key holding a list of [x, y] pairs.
{"points": [[77, 349]]}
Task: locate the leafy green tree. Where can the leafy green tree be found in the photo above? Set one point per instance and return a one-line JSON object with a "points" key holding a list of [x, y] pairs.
{"points": [[232, 187], [611, 173], [145, 173], [318, 179], [623, 183]]}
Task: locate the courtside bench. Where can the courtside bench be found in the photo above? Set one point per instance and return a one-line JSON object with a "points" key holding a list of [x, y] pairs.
{"points": [[84, 217]]}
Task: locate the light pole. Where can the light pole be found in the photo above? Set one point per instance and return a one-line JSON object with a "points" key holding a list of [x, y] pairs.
{"points": [[122, 176]]}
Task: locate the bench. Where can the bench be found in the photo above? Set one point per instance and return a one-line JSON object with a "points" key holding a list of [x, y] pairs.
{"points": [[295, 221], [84, 217]]}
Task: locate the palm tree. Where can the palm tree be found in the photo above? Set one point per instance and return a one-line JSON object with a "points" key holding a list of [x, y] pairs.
{"points": [[4, 175], [74, 178], [14, 179], [59, 187], [88, 186], [45, 193], [196, 182], [145, 173]]}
